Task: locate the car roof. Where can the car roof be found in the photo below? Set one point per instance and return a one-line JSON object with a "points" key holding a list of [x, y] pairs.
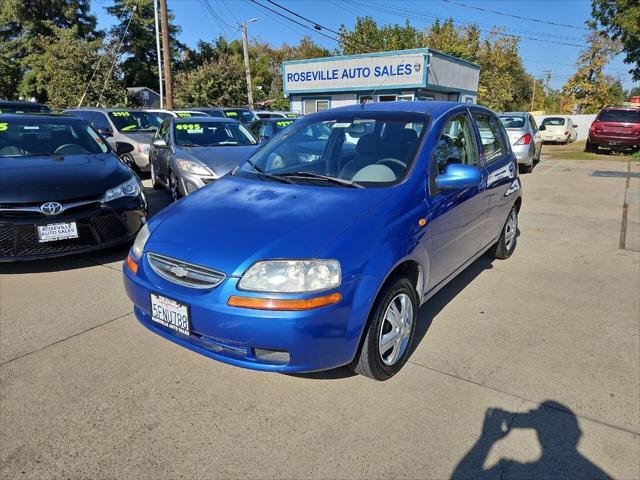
{"points": [[514, 114], [632, 109], [39, 116], [20, 102], [433, 108], [276, 119], [203, 120], [106, 110]]}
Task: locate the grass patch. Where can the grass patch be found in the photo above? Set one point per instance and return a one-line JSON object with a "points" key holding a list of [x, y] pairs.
{"points": [[575, 151]]}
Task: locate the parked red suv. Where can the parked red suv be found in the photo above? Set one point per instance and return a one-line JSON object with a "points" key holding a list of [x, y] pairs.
{"points": [[615, 128]]}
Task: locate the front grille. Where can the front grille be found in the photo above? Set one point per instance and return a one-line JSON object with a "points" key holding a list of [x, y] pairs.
{"points": [[21, 239], [184, 273]]}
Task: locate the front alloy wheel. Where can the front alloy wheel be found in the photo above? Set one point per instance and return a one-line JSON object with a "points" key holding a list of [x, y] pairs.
{"points": [[389, 333]]}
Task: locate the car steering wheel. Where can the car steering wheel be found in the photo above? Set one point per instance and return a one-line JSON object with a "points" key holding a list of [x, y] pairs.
{"points": [[67, 146]]}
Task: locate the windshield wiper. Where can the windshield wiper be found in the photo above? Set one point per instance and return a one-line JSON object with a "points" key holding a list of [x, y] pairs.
{"points": [[316, 176], [271, 176]]}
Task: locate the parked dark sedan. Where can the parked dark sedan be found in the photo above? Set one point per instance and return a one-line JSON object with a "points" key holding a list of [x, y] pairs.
{"points": [[188, 153], [242, 115], [265, 128], [63, 189], [22, 106]]}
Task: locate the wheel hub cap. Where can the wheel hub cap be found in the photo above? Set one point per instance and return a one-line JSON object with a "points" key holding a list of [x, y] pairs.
{"points": [[395, 329]]}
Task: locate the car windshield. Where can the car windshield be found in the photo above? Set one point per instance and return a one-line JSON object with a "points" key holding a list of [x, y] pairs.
{"points": [[244, 116], [135, 121], [553, 122], [23, 108], [370, 149], [512, 121], [161, 115], [211, 134], [622, 116], [30, 138]]}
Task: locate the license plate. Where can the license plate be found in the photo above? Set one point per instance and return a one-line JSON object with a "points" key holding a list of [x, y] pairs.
{"points": [[57, 231], [171, 314]]}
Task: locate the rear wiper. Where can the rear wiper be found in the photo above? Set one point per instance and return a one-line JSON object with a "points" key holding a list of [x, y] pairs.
{"points": [[338, 181], [271, 176]]}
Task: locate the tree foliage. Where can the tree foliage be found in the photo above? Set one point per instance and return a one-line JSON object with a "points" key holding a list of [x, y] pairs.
{"points": [[23, 23], [61, 67], [620, 20], [140, 64], [588, 90]]}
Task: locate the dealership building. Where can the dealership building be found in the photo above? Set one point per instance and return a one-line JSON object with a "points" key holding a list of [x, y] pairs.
{"points": [[318, 84]]}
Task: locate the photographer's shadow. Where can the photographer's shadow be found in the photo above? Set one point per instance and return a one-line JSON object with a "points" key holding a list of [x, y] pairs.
{"points": [[558, 433]]}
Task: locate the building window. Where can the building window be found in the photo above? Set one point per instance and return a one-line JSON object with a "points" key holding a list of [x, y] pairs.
{"points": [[314, 105]]}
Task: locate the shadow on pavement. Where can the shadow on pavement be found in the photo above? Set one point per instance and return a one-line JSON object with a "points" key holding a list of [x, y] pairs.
{"points": [[558, 433]]}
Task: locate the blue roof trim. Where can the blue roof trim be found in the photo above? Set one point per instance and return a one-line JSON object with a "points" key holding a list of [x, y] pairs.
{"points": [[424, 51]]}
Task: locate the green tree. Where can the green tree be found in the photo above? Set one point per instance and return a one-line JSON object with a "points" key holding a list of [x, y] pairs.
{"points": [[218, 82], [587, 91], [61, 67], [367, 37], [140, 64], [617, 94], [620, 20], [24, 22], [463, 42]]}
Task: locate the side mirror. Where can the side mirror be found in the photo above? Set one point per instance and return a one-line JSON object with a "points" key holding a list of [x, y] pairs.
{"points": [[542, 127], [105, 132], [459, 176], [123, 148], [159, 143]]}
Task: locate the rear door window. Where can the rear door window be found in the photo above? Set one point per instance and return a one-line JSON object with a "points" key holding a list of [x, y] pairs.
{"points": [[100, 121], [491, 135]]}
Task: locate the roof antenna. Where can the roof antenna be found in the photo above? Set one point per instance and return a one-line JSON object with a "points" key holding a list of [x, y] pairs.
{"points": [[378, 87]]}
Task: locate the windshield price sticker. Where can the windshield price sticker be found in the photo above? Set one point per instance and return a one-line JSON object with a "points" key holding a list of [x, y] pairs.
{"points": [[4, 127], [284, 123], [120, 114], [231, 114], [184, 114], [188, 126], [292, 115]]}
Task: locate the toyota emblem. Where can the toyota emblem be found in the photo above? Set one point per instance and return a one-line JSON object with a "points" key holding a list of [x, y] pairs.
{"points": [[51, 208]]}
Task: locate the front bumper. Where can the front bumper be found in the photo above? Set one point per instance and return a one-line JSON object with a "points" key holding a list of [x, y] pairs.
{"points": [[317, 339], [99, 225], [524, 153]]}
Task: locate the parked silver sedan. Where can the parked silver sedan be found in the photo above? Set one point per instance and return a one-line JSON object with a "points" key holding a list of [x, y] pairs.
{"points": [[524, 136], [188, 153]]}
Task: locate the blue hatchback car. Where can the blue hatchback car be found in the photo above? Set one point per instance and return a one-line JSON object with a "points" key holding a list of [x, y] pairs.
{"points": [[318, 251]]}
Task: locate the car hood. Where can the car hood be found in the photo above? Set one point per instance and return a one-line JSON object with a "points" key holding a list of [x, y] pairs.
{"points": [[219, 159], [235, 222], [59, 178]]}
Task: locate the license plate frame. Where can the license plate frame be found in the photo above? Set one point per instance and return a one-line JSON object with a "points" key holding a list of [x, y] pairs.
{"points": [[53, 232], [179, 322]]}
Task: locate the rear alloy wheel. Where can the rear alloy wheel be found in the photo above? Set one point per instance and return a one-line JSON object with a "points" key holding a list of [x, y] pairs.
{"points": [[590, 147], [505, 246], [390, 332]]}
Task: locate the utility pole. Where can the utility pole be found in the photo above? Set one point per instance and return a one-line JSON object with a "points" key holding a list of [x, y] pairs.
{"points": [[158, 51], [547, 78], [246, 62], [533, 95], [166, 53]]}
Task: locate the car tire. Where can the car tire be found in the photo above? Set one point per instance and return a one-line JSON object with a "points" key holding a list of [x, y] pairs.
{"points": [[154, 180], [397, 296], [173, 188], [590, 147], [506, 244]]}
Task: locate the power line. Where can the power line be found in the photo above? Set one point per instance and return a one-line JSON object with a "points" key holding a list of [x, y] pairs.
{"points": [[519, 17]]}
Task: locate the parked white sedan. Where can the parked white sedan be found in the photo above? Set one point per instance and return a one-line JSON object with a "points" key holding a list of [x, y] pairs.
{"points": [[559, 129]]}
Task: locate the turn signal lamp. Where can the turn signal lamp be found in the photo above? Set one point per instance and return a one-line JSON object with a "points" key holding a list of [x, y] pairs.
{"points": [[283, 304]]}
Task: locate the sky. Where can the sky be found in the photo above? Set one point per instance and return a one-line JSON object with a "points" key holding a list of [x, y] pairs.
{"points": [[546, 46]]}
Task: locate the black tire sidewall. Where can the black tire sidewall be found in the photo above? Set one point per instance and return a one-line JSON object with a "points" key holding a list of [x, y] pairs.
{"points": [[378, 368]]}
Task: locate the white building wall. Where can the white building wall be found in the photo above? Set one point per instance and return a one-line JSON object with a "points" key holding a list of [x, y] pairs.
{"points": [[336, 100]]}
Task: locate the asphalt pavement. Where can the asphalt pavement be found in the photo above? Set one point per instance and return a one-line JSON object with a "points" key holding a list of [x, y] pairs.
{"points": [[524, 368]]}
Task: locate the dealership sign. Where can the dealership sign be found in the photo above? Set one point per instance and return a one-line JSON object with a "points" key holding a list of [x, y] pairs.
{"points": [[358, 72]]}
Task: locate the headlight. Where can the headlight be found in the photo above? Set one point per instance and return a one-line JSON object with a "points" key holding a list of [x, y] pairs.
{"points": [[130, 188], [143, 148], [194, 167], [140, 242], [291, 276]]}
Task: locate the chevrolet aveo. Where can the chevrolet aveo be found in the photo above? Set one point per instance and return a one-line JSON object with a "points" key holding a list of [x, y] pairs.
{"points": [[318, 251]]}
